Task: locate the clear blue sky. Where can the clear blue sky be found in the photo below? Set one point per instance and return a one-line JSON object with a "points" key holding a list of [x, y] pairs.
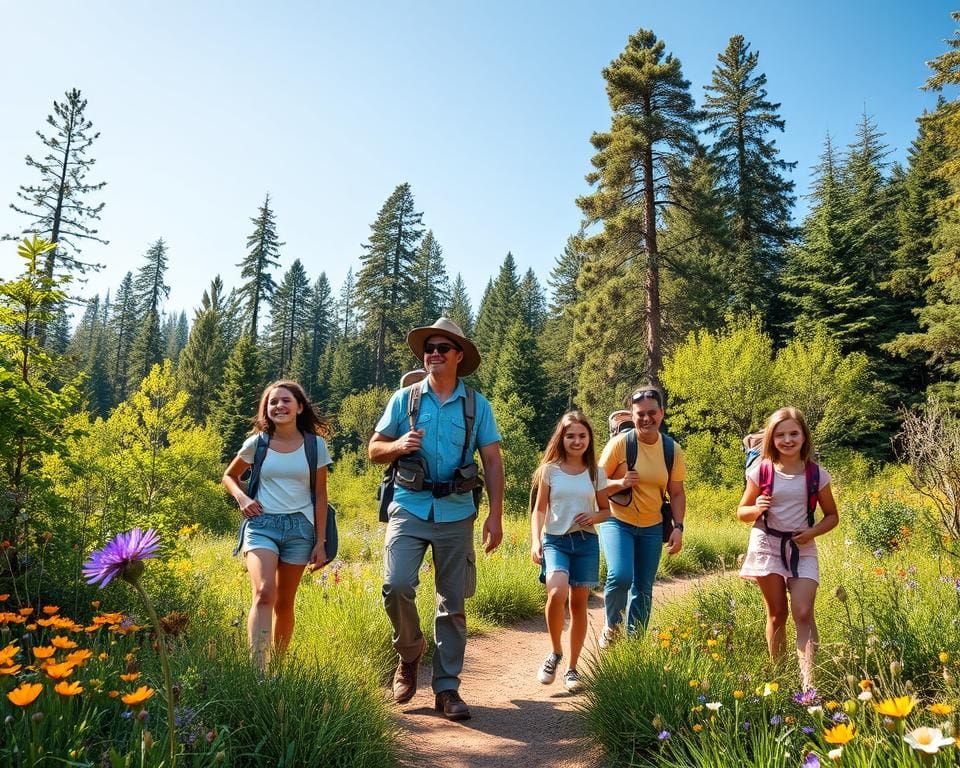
{"points": [[486, 108]]}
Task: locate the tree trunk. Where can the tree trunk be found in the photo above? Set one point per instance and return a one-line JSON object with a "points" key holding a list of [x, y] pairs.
{"points": [[652, 307]]}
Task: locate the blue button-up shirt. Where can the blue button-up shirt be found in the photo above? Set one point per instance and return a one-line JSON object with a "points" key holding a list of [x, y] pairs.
{"points": [[444, 431]]}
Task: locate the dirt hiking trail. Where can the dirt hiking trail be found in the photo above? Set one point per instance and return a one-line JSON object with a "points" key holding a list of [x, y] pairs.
{"points": [[517, 722]]}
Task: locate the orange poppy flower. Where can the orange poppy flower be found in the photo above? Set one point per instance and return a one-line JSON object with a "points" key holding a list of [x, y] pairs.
{"points": [[79, 657], [25, 611], [11, 670], [4, 597], [43, 651], [51, 610], [63, 642], [68, 689], [24, 695], [130, 677], [7, 654], [32, 627], [138, 697], [60, 671]]}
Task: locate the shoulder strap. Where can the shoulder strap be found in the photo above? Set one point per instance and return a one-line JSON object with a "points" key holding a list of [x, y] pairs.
{"points": [[812, 473], [668, 452], [253, 482], [413, 404], [310, 448], [631, 449], [765, 481], [469, 417]]}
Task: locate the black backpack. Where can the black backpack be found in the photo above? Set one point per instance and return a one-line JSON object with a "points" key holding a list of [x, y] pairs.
{"points": [[309, 448]]}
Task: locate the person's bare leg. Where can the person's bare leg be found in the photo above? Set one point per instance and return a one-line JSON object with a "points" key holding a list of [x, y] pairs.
{"points": [[803, 592], [288, 581], [578, 622], [557, 590], [262, 569], [774, 592]]}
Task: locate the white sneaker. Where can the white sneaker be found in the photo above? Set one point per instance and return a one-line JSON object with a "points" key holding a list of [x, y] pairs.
{"points": [[548, 670], [571, 681], [608, 637]]}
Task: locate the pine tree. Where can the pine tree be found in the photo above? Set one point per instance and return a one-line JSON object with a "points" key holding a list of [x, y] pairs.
{"points": [[174, 333], [263, 253], [346, 307], [290, 317], [459, 309], [57, 207], [520, 372], [652, 131], [123, 323], [498, 310], [385, 280], [201, 365], [939, 318], [740, 116], [430, 291], [322, 313], [533, 304], [244, 378], [149, 291]]}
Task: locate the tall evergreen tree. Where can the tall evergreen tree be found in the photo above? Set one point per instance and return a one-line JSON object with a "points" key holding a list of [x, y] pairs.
{"points": [[498, 310], [385, 280], [244, 378], [520, 372], [939, 318], [430, 291], [320, 332], [123, 325], [740, 117], [346, 307], [533, 303], [201, 365], [459, 309], [263, 253], [652, 130], [149, 291], [289, 319], [57, 206]]}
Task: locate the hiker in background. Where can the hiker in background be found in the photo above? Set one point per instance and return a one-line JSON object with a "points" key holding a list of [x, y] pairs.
{"points": [[782, 494], [632, 538], [279, 532], [570, 500], [431, 431], [620, 421], [752, 449]]}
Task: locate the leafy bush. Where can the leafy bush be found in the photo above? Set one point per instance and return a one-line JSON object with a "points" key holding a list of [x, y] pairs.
{"points": [[882, 522]]}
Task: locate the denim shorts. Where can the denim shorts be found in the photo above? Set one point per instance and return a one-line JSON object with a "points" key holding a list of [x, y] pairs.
{"points": [[576, 554], [290, 536]]}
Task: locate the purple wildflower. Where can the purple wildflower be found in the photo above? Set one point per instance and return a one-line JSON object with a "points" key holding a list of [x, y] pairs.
{"points": [[745, 725], [838, 717], [811, 761], [119, 558], [808, 730], [663, 735], [806, 698], [776, 720]]}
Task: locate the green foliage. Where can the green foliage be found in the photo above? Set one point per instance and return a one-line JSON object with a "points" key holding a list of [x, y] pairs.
{"points": [[263, 254], [497, 313], [357, 416], [882, 523], [520, 454], [236, 404]]}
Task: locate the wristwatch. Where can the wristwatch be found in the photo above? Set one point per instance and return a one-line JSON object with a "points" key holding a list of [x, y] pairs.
{"points": [[678, 526]]}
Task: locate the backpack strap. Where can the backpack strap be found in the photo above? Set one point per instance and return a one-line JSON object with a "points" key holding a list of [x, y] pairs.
{"points": [[469, 417], [812, 473], [669, 449], [631, 449], [253, 482], [413, 404], [310, 448]]}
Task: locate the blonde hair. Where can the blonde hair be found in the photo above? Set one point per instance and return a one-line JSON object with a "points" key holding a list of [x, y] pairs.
{"points": [[778, 417]]}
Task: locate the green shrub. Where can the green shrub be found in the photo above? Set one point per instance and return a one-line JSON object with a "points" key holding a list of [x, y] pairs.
{"points": [[882, 523]]}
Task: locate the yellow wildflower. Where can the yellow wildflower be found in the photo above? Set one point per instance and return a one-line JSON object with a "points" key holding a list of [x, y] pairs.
{"points": [[840, 734], [68, 689], [899, 707], [138, 697]]}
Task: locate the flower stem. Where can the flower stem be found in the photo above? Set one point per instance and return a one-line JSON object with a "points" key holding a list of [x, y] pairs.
{"points": [[165, 666]]}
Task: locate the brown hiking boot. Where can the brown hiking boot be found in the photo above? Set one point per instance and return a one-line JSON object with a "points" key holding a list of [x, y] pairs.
{"points": [[452, 706], [405, 678]]}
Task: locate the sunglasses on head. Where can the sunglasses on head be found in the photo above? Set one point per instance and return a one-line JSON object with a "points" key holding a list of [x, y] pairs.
{"points": [[443, 347], [642, 394]]}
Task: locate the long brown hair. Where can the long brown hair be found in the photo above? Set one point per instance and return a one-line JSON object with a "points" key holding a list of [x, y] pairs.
{"points": [[307, 419], [778, 417], [555, 453]]}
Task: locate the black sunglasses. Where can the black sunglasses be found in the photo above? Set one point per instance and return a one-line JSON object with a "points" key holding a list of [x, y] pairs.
{"points": [[442, 348], [641, 394]]}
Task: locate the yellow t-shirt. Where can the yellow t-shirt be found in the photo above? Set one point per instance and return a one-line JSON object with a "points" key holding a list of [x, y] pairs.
{"points": [[644, 509]]}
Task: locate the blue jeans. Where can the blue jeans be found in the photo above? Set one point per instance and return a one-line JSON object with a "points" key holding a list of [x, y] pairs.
{"points": [[633, 555]]}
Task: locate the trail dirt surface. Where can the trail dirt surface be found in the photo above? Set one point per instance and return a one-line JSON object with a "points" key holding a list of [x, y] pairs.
{"points": [[517, 722]]}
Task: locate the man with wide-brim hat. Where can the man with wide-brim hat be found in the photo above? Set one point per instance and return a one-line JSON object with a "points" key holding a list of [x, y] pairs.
{"points": [[429, 432]]}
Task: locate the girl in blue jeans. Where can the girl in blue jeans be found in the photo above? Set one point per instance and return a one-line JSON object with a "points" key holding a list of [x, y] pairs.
{"points": [[570, 500]]}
